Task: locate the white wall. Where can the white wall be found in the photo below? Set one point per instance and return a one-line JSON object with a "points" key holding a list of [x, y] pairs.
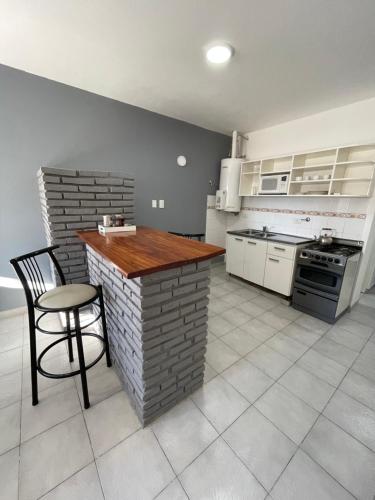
{"points": [[216, 223], [350, 124], [351, 218]]}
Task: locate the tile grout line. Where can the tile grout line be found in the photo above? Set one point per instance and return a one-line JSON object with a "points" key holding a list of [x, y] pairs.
{"points": [[338, 389], [319, 415], [89, 438], [298, 446], [276, 381], [251, 404], [220, 434], [272, 423], [119, 442], [171, 466], [62, 482], [353, 397], [259, 345]]}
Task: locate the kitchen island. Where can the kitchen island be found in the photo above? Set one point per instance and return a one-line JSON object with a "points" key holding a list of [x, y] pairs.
{"points": [[155, 288]]}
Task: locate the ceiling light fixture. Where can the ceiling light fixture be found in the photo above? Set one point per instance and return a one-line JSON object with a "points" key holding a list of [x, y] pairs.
{"points": [[220, 53]]}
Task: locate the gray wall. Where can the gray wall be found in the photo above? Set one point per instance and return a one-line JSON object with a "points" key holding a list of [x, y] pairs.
{"points": [[44, 123]]}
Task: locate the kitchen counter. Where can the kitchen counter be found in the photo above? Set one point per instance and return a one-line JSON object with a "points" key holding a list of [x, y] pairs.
{"points": [[288, 239], [147, 250], [155, 288]]}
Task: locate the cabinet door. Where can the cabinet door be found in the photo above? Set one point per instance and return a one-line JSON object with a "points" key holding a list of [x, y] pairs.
{"points": [[255, 259], [235, 255], [278, 275]]}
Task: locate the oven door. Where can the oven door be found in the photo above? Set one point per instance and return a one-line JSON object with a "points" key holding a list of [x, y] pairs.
{"points": [[319, 278]]}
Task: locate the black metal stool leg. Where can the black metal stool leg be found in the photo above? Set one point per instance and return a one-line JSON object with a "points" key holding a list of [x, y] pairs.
{"points": [[81, 358], [69, 333], [104, 325], [33, 358]]}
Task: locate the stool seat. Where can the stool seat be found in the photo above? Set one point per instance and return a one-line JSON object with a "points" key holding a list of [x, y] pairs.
{"points": [[66, 296]]}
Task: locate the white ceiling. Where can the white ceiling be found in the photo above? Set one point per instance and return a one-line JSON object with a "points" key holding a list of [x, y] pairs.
{"points": [[293, 57]]}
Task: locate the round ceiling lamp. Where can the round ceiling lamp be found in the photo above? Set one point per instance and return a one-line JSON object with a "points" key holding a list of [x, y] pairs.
{"points": [[181, 161], [219, 53]]}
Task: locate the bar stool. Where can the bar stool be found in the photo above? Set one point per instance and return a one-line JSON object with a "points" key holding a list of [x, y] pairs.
{"points": [[67, 299]]}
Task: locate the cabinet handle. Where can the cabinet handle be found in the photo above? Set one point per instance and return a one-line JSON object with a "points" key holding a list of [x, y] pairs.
{"points": [[252, 242], [279, 248], [273, 260], [238, 239]]}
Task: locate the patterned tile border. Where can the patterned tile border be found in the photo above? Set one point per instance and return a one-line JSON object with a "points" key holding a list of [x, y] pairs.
{"points": [[342, 215]]}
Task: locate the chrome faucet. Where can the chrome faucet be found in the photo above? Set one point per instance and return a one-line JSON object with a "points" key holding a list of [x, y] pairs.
{"points": [[265, 230]]}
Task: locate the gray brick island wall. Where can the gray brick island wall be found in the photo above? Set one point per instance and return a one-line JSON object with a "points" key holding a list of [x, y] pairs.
{"points": [[157, 328], [157, 324], [78, 199]]}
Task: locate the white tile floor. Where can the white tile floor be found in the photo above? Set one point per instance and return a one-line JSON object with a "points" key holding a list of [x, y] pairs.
{"points": [[287, 412]]}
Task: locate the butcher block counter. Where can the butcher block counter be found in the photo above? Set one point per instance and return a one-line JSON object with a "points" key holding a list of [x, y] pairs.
{"points": [[156, 288]]}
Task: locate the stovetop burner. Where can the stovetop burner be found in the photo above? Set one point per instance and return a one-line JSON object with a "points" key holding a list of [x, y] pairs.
{"points": [[334, 249], [336, 254]]}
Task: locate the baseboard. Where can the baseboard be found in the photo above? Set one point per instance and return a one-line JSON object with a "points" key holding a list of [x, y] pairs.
{"points": [[13, 312]]}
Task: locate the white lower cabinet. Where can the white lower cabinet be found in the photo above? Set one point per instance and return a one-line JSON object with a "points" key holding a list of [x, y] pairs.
{"points": [[278, 274], [235, 255], [263, 263], [255, 260]]}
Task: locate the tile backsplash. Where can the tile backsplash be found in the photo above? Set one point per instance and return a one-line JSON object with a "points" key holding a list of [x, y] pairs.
{"points": [[347, 216]]}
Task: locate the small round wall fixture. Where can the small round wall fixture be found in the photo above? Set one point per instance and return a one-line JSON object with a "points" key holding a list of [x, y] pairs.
{"points": [[181, 161], [219, 53]]}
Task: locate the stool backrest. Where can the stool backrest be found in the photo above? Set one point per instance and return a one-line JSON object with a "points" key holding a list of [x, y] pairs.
{"points": [[30, 275]]}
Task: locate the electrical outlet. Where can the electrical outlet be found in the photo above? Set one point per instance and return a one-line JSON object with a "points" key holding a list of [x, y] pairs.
{"points": [[161, 203], [154, 203]]}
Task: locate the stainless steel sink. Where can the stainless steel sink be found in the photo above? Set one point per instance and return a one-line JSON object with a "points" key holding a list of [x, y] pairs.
{"points": [[263, 234], [257, 233], [248, 232]]}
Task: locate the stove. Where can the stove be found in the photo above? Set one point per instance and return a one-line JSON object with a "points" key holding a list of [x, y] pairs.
{"points": [[336, 253], [325, 277]]}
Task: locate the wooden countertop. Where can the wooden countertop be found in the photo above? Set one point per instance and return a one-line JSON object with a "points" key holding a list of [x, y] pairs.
{"points": [[148, 250]]}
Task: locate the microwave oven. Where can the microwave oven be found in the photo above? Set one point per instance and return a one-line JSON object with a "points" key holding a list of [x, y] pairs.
{"points": [[274, 184]]}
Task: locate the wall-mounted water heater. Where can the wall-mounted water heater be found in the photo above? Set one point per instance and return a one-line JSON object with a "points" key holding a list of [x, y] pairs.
{"points": [[227, 197]]}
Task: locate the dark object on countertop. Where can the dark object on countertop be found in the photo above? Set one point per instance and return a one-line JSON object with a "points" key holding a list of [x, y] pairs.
{"points": [[118, 220], [61, 299], [190, 236]]}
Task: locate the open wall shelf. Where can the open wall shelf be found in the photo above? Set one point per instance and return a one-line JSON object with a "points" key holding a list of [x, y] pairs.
{"points": [[346, 171]]}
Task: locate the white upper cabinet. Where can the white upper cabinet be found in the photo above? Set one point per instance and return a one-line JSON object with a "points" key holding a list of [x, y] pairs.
{"points": [[346, 171]]}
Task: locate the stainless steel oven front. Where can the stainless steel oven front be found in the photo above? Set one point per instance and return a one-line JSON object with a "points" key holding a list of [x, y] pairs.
{"points": [[326, 279]]}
